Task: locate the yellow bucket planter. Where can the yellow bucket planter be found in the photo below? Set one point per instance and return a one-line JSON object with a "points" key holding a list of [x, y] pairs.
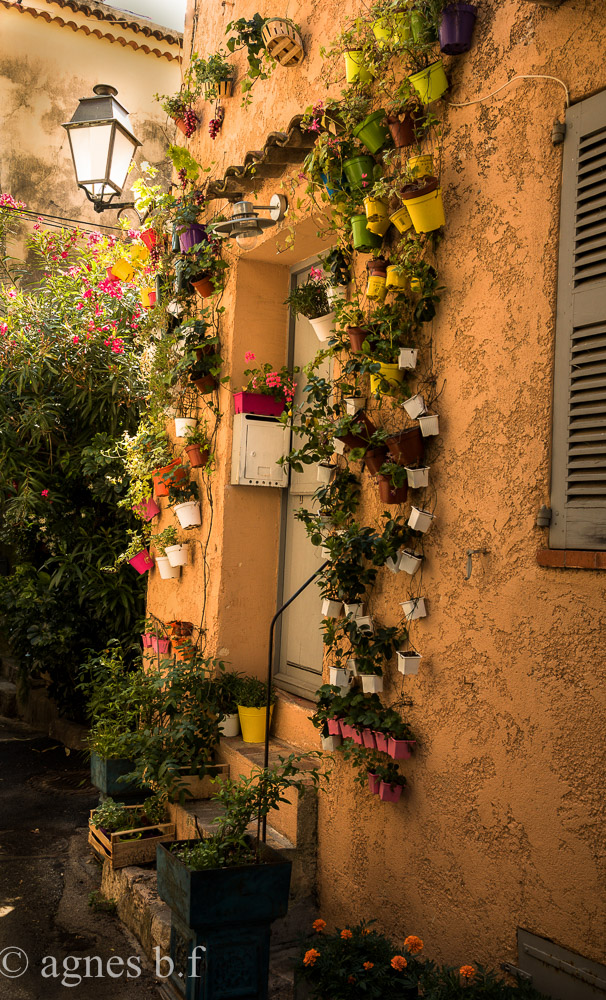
{"points": [[377, 215], [139, 255], [427, 211], [421, 166], [401, 219], [376, 288], [395, 280], [252, 723], [148, 297], [394, 29], [391, 374], [355, 70], [123, 269], [430, 83], [415, 285]]}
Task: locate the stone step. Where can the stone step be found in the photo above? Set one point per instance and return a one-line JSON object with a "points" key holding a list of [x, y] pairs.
{"points": [[9, 667], [8, 699]]}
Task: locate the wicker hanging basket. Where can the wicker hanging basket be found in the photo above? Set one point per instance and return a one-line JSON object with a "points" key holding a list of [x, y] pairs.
{"points": [[283, 42]]}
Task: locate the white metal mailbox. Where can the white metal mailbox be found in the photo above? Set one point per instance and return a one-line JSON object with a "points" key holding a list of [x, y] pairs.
{"points": [[258, 443]]}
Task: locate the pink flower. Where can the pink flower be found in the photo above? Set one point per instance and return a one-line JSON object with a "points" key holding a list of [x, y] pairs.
{"points": [[249, 356], [3, 328], [316, 274], [87, 293], [12, 293], [75, 340], [80, 305], [44, 494]]}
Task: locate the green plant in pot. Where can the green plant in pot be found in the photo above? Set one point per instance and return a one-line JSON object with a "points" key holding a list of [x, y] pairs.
{"points": [[183, 499], [252, 708], [226, 693], [213, 74], [179, 107], [310, 300], [198, 447]]}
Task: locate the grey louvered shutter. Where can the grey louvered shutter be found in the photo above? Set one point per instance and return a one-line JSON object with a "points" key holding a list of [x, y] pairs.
{"points": [[578, 493]]}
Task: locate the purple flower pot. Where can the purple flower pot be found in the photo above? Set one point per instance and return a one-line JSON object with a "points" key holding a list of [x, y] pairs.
{"points": [[374, 783], [400, 749], [256, 402], [334, 729], [191, 236], [142, 561], [368, 739], [389, 793], [148, 509], [456, 28], [381, 740]]}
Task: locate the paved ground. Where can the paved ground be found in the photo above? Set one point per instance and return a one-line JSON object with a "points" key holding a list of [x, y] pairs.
{"points": [[46, 877]]}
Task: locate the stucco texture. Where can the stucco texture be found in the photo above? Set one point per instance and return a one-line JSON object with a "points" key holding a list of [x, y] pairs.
{"points": [[502, 825]]}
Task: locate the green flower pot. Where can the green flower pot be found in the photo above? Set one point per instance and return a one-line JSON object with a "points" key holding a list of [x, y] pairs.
{"points": [[373, 131], [363, 240], [359, 172], [430, 83]]}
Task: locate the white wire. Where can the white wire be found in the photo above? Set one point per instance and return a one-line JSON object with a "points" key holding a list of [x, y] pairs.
{"points": [[521, 76]]}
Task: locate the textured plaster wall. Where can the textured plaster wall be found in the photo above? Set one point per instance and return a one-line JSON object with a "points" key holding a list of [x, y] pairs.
{"points": [[503, 823]]}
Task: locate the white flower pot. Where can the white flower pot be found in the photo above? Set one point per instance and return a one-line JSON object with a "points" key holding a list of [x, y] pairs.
{"points": [[420, 520], [188, 514], [410, 562], [414, 609], [335, 293], [356, 610], [331, 609], [353, 404], [230, 725], [408, 357], [429, 424], [323, 326], [418, 477], [393, 564], [408, 663], [182, 424], [324, 552], [324, 472], [178, 555], [339, 676], [167, 572], [345, 688], [339, 446], [371, 683], [415, 406], [365, 624], [331, 742], [352, 665]]}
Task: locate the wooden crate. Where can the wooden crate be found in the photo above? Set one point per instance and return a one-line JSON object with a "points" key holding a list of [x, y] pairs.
{"points": [[130, 852], [283, 42]]}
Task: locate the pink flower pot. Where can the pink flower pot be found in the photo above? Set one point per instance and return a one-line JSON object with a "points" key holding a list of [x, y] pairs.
{"points": [[160, 645], [368, 739], [381, 741], [389, 793], [334, 728], [357, 735], [374, 783], [400, 749], [347, 731], [256, 402], [147, 638], [148, 509], [142, 561]]}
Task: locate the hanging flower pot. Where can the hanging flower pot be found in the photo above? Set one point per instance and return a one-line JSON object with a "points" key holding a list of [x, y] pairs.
{"points": [[394, 28], [401, 219], [111, 276], [387, 381], [417, 478], [407, 446], [421, 166], [389, 793], [167, 572], [356, 610], [359, 171], [323, 325], [146, 639], [430, 83], [256, 402], [324, 471], [400, 749], [180, 629], [368, 739], [381, 741], [365, 624], [395, 280], [123, 269], [363, 240], [331, 609], [414, 609], [142, 561], [147, 510], [330, 743], [415, 406], [353, 404], [197, 456], [230, 725], [355, 70], [408, 357], [191, 236], [338, 676], [374, 459], [188, 514], [334, 728], [357, 335], [205, 385], [139, 255], [336, 293], [373, 131], [148, 297], [161, 646], [177, 555], [404, 130], [355, 440], [420, 520], [332, 184], [376, 209], [456, 28], [373, 783], [282, 41], [409, 562], [181, 425], [389, 493], [425, 207], [429, 424], [167, 476], [149, 238], [203, 286], [408, 663], [376, 288]]}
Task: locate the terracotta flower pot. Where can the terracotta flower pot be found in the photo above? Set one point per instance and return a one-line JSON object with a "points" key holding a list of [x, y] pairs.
{"points": [[180, 629], [180, 123], [374, 459], [404, 132], [164, 477], [407, 447], [390, 494], [205, 384], [357, 336], [197, 456], [203, 286], [377, 266]]}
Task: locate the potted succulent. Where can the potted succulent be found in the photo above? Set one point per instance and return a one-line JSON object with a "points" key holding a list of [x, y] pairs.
{"points": [[252, 708], [310, 300], [183, 498], [267, 392], [168, 537], [129, 834]]}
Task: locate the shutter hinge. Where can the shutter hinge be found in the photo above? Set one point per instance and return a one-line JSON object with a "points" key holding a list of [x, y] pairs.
{"points": [[558, 132], [514, 971], [544, 517]]}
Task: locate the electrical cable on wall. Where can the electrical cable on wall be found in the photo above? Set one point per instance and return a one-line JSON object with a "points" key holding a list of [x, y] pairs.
{"points": [[54, 220], [519, 76]]}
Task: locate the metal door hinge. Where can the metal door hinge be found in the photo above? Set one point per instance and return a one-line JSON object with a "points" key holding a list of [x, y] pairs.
{"points": [[514, 971]]}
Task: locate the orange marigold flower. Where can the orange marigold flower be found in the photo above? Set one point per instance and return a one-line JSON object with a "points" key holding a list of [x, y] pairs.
{"points": [[346, 934], [413, 943], [351, 979], [399, 963], [368, 965], [467, 971], [319, 925], [366, 930], [310, 956]]}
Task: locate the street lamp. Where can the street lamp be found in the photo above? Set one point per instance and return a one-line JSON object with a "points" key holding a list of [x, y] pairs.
{"points": [[246, 226], [102, 146]]}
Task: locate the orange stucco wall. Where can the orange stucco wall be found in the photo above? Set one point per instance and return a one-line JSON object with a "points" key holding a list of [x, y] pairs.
{"points": [[502, 824]]}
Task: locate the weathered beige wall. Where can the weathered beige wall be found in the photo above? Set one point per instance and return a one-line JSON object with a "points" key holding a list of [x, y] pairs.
{"points": [[503, 823]]}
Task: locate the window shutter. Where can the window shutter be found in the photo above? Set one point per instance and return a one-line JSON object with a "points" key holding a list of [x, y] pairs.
{"points": [[578, 497]]}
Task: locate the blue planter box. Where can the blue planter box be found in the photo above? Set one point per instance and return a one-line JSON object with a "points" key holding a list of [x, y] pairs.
{"points": [[105, 775]]}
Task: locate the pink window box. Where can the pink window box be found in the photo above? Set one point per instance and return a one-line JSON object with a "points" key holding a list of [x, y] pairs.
{"points": [[400, 749], [334, 728], [255, 402], [147, 639], [373, 783], [160, 645], [381, 741], [347, 731], [389, 793], [369, 739], [357, 735]]}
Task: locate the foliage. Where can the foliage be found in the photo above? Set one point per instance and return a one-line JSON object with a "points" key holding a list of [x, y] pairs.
{"points": [[309, 299], [253, 693], [117, 695], [226, 691], [209, 72], [164, 538], [267, 381], [112, 816]]}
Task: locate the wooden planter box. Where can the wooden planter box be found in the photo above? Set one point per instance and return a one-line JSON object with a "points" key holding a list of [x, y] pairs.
{"points": [[129, 852]]}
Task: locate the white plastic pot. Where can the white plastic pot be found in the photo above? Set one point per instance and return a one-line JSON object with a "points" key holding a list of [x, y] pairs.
{"points": [[356, 610], [335, 293], [188, 514], [324, 472], [393, 564], [408, 663], [353, 404], [178, 555], [429, 424], [331, 742], [325, 552], [420, 520], [414, 609], [371, 683], [408, 357], [410, 562], [418, 477], [167, 572], [365, 624], [352, 665], [339, 446], [339, 676], [323, 326], [230, 726], [415, 406], [182, 424], [331, 609]]}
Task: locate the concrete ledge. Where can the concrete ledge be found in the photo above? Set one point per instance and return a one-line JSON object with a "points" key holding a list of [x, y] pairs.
{"points": [[138, 906]]}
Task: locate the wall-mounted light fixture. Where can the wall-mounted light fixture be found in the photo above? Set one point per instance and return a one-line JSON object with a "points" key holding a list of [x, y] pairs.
{"points": [[245, 225]]}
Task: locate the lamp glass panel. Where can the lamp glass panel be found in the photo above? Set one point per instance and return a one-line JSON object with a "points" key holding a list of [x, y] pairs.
{"points": [[90, 146], [123, 152]]}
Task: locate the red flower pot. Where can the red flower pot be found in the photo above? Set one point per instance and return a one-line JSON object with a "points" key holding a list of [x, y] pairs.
{"points": [[374, 459], [404, 133], [407, 447], [256, 402], [160, 645], [146, 639], [149, 238], [111, 276], [197, 457], [373, 783], [368, 739], [205, 385], [334, 729], [163, 478], [357, 735], [357, 335], [390, 494], [389, 793]]}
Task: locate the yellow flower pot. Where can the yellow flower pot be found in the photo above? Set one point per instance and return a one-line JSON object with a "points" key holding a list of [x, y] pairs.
{"points": [[427, 211], [387, 373], [252, 723], [379, 226], [415, 285], [123, 269], [401, 219], [148, 297], [139, 255], [394, 279], [392, 29], [430, 83], [355, 70], [376, 288], [421, 166], [375, 208]]}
